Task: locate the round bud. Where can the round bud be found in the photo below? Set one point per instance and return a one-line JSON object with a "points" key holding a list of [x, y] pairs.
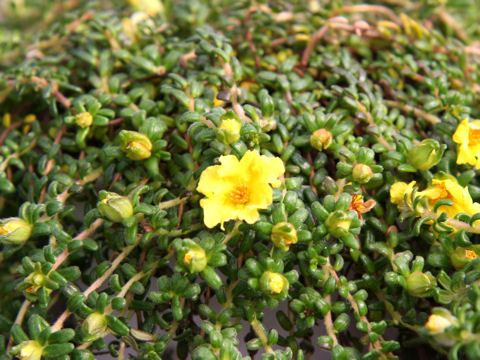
{"points": [[14, 231], [283, 235], [194, 259], [135, 145], [114, 207], [461, 256], [362, 173], [94, 327], [321, 139], [29, 350], [437, 323], [420, 284], [338, 223], [272, 283], [426, 154]]}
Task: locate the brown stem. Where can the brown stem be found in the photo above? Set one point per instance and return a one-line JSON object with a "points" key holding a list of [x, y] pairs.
{"points": [[8, 130], [364, 8], [432, 119]]}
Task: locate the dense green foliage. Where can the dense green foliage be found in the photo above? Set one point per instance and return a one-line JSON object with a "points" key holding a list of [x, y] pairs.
{"points": [[110, 116]]}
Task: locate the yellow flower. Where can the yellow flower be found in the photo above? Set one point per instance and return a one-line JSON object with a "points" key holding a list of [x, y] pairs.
{"points": [[276, 283], [84, 119], [447, 187], [357, 204], [467, 136], [237, 189], [437, 323], [231, 125], [442, 187]]}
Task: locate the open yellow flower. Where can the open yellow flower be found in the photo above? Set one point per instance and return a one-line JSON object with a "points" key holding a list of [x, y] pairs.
{"points": [[467, 136], [442, 187], [447, 187], [237, 189]]}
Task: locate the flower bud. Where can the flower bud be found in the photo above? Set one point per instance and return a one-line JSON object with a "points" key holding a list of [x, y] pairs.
{"points": [[94, 327], [36, 280], [84, 119], [114, 207], [272, 283], [426, 154], [268, 124], [437, 323], [461, 256], [338, 223], [283, 235], [136, 146], [362, 173], [28, 350], [194, 258], [420, 284], [321, 139], [230, 126], [14, 231]]}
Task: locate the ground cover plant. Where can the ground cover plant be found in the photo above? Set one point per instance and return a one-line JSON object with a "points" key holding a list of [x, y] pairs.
{"points": [[239, 179]]}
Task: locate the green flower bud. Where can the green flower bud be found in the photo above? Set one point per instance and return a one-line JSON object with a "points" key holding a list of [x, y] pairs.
{"points": [[114, 207], [461, 256], [426, 154], [362, 173], [193, 257], [28, 350], [230, 126], [14, 231], [420, 284], [84, 119], [94, 326], [338, 223], [321, 139], [274, 284], [283, 235], [36, 280], [135, 145], [268, 124]]}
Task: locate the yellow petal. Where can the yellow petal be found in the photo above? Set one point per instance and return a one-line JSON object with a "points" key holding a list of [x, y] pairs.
{"points": [[248, 215], [398, 191], [230, 166], [272, 168], [464, 156], [210, 182], [461, 134], [261, 195], [434, 192], [216, 211]]}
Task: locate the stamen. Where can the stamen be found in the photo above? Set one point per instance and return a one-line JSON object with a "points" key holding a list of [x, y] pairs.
{"points": [[474, 136], [240, 194], [469, 254]]}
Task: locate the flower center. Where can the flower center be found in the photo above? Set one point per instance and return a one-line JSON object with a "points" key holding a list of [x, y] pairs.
{"points": [[474, 136], [276, 283], [240, 194], [189, 256], [469, 254], [133, 145]]}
